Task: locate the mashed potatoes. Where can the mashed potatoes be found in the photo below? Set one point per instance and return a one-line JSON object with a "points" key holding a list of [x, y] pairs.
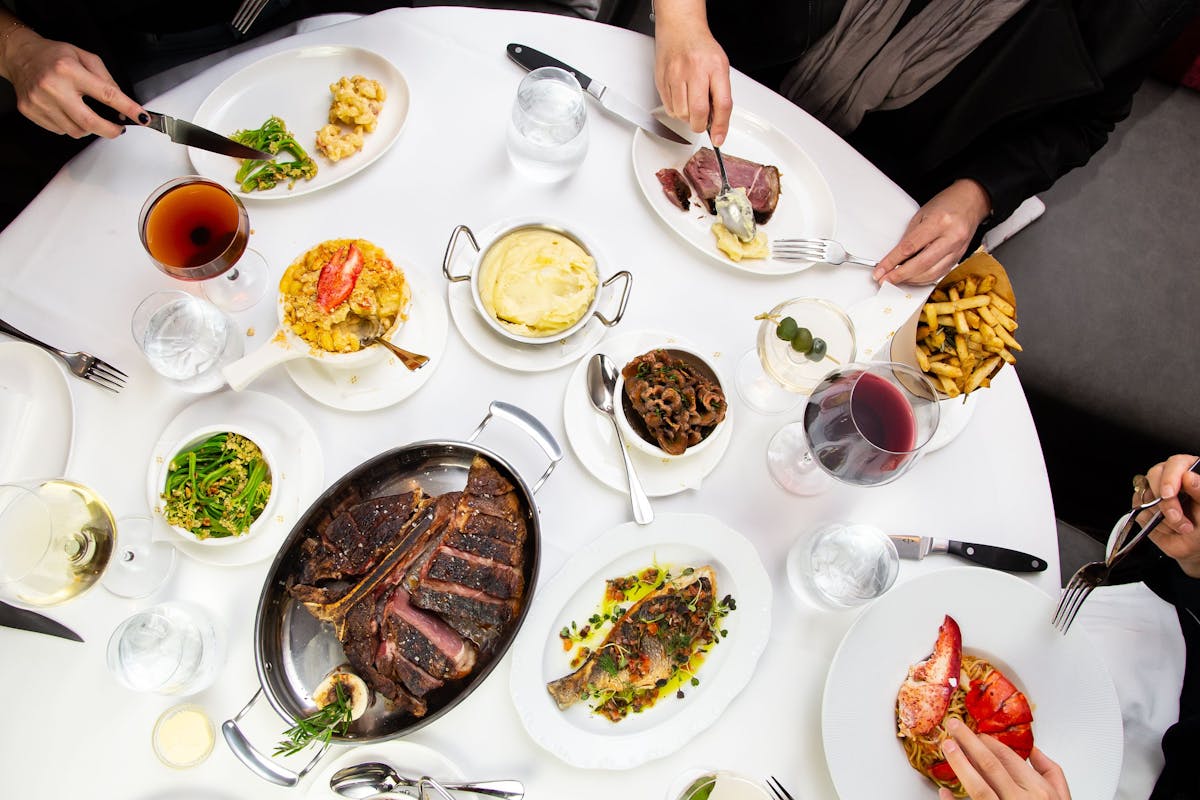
{"points": [[735, 249], [537, 282], [380, 294]]}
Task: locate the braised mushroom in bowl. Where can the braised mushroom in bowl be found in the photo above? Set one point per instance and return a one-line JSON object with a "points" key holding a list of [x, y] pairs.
{"points": [[672, 402]]}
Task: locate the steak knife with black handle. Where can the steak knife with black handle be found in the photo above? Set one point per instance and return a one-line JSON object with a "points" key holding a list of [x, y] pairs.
{"points": [[25, 620], [917, 547]]}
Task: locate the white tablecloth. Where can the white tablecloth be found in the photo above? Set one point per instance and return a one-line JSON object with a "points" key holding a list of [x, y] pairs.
{"points": [[72, 270]]}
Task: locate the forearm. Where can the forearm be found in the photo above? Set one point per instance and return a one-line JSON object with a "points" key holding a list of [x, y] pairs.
{"points": [[13, 33], [679, 14]]}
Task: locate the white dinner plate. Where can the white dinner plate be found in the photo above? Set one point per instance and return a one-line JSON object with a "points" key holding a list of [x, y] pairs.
{"points": [[407, 758], [385, 382], [294, 86], [673, 541], [37, 414], [1076, 717], [595, 442], [806, 208], [296, 483]]}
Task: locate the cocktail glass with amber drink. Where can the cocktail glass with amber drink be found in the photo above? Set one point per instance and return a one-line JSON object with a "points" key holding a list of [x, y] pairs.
{"points": [[196, 230]]}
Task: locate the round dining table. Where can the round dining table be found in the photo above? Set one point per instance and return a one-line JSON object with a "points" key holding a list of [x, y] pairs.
{"points": [[72, 271]]}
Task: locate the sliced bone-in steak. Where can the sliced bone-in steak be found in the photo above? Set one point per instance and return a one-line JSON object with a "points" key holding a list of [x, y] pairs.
{"points": [[497, 550], [476, 572], [675, 187], [760, 181], [355, 540]]}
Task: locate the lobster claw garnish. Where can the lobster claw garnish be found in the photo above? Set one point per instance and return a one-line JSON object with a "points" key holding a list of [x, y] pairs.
{"points": [[1002, 711], [926, 693]]}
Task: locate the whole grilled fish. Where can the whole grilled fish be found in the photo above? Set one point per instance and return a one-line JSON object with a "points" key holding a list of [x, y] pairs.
{"points": [[654, 637]]}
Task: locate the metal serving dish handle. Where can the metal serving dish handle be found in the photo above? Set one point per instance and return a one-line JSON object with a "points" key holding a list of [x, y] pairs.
{"points": [[262, 766], [532, 426]]}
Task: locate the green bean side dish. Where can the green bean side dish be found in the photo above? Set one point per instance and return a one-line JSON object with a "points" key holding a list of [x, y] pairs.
{"points": [[217, 487]]}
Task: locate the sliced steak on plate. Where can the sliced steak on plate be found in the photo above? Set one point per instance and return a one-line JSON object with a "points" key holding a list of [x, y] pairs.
{"points": [[760, 181]]}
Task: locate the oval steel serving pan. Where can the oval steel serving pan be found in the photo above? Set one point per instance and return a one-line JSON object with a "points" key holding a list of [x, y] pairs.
{"points": [[294, 651]]}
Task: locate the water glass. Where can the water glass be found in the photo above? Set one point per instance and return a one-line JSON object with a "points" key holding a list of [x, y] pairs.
{"points": [[171, 648], [547, 131], [842, 565], [186, 339]]}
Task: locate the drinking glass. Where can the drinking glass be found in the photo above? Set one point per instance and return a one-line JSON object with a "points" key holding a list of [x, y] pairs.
{"points": [[842, 565], [186, 339], [775, 377], [547, 130], [864, 424], [171, 648], [58, 539], [195, 229]]}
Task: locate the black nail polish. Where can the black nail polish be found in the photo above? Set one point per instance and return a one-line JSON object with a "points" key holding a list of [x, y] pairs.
{"points": [[144, 118]]}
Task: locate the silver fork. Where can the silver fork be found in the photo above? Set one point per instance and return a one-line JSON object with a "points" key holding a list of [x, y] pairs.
{"points": [[777, 789], [827, 251], [246, 14], [81, 365], [1095, 573]]}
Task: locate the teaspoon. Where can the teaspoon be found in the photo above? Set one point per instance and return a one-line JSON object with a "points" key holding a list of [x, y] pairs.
{"points": [[602, 381]]}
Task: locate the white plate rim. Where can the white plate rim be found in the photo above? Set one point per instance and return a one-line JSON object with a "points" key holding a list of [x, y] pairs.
{"points": [[650, 469], [847, 744], [57, 387], [681, 225], [302, 481], [399, 92], [541, 718]]}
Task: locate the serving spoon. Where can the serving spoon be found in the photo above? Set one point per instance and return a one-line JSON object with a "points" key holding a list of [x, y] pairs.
{"points": [[733, 206], [602, 381], [369, 333], [375, 778]]}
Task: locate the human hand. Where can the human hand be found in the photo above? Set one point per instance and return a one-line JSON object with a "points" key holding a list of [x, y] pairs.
{"points": [[937, 236], [691, 70], [1178, 535], [52, 78], [989, 770]]}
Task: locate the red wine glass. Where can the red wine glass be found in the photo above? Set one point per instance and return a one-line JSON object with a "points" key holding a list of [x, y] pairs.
{"points": [[864, 425]]}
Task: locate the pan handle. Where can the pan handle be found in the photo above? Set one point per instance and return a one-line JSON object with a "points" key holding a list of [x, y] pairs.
{"points": [[532, 426], [449, 256], [262, 766]]}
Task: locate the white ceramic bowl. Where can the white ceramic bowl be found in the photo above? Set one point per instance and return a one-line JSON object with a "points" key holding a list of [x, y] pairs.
{"points": [[624, 409], [503, 229], [192, 438]]}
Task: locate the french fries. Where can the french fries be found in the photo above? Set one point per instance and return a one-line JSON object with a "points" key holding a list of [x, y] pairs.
{"points": [[965, 334]]}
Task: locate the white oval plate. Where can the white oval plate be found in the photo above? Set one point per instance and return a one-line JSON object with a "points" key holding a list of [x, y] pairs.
{"points": [[805, 209], [595, 443], [294, 86], [281, 429], [408, 759], [584, 739], [1076, 717], [37, 414]]}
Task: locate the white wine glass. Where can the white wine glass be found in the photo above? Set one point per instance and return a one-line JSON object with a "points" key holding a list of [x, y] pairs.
{"points": [[58, 538]]}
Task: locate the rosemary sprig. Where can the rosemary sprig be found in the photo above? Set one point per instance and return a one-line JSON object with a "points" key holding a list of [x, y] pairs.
{"points": [[318, 726]]}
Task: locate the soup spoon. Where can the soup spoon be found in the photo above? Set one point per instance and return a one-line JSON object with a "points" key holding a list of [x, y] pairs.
{"points": [[369, 333], [375, 778], [601, 383]]}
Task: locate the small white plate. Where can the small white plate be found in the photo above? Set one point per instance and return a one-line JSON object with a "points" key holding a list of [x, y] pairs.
{"points": [[294, 86], [297, 482], [806, 208], [385, 382], [37, 414], [585, 739], [595, 443], [407, 758], [1076, 716]]}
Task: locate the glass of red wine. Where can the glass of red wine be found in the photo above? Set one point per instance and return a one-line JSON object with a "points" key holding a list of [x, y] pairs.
{"points": [[195, 229], [864, 425]]}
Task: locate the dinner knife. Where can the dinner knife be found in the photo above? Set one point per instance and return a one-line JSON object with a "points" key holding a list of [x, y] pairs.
{"points": [[917, 547], [186, 133], [25, 620], [608, 99]]}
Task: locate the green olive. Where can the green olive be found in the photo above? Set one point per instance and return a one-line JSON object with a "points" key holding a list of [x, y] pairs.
{"points": [[819, 348], [803, 340], [786, 329]]}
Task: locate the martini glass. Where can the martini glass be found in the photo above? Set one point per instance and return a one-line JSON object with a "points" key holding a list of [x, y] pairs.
{"points": [[195, 229], [865, 424], [775, 378], [58, 539]]}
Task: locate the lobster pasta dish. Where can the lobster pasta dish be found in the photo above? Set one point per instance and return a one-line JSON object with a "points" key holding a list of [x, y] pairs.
{"points": [[951, 684]]}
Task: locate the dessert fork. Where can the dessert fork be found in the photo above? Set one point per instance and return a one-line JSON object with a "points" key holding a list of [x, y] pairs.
{"points": [[82, 365], [826, 251]]}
